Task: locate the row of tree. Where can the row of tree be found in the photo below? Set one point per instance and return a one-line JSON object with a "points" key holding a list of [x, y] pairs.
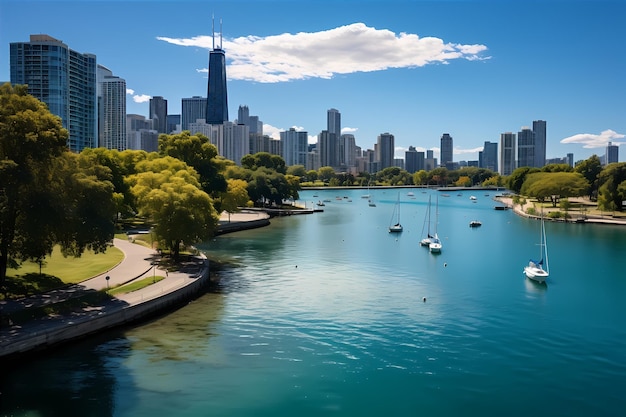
{"points": [[50, 196], [605, 184]]}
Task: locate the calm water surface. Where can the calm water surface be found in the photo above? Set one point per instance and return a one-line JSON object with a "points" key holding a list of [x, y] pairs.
{"points": [[323, 314]]}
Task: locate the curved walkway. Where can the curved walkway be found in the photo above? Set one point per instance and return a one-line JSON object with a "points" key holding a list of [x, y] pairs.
{"points": [[138, 262]]}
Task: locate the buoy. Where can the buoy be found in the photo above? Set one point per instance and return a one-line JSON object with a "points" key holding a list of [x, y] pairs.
{"points": [[445, 264], [424, 299]]}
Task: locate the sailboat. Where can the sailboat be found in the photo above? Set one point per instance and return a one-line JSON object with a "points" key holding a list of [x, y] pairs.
{"points": [[435, 243], [426, 240], [368, 192], [534, 270], [397, 227]]}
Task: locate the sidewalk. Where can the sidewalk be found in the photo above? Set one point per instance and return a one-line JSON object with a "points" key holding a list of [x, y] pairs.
{"points": [[139, 262], [51, 330]]}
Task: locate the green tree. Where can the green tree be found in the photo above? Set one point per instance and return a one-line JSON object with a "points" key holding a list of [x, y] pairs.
{"points": [[517, 178], [557, 168], [266, 160], [554, 185], [610, 193], [111, 158], [590, 168], [438, 176], [420, 177], [168, 192], [463, 181], [311, 175], [325, 173], [197, 152], [235, 196], [47, 195], [298, 171], [494, 181]]}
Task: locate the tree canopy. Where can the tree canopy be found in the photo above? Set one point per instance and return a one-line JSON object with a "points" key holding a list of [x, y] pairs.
{"points": [[197, 152], [554, 185], [168, 192], [612, 189], [48, 196]]}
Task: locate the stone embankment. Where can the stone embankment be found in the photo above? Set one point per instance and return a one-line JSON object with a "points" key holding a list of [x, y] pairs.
{"points": [[139, 262]]}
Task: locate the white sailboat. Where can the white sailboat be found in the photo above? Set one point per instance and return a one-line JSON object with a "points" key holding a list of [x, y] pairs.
{"points": [[397, 227], [368, 192], [534, 270], [428, 238], [435, 245]]}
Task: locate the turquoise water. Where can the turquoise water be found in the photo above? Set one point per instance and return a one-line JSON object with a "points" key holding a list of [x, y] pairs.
{"points": [[324, 314]]}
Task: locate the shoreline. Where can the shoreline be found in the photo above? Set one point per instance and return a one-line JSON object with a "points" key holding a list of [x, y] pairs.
{"points": [[179, 287], [520, 210]]}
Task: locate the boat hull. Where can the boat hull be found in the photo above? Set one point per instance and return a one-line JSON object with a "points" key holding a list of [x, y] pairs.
{"points": [[536, 274]]}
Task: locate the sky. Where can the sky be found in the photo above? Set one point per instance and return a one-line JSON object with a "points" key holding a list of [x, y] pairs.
{"points": [[412, 68]]}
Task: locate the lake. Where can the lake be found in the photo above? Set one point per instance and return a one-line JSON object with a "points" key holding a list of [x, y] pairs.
{"points": [[329, 314]]}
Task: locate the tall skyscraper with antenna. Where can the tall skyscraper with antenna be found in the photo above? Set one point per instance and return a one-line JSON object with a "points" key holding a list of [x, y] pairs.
{"points": [[217, 97]]}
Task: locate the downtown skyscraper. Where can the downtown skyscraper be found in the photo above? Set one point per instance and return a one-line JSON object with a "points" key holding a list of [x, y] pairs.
{"points": [[446, 151], [111, 110], [217, 97], [63, 79]]}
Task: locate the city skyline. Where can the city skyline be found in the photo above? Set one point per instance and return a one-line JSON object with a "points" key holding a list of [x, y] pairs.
{"points": [[414, 69]]}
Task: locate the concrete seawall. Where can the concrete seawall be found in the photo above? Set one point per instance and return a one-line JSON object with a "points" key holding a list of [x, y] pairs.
{"points": [[129, 308]]}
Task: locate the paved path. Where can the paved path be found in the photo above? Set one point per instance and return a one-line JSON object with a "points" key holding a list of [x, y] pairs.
{"points": [[138, 262]]}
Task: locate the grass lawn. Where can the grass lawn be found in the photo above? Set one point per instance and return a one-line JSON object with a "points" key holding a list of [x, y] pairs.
{"points": [[70, 269], [135, 285]]}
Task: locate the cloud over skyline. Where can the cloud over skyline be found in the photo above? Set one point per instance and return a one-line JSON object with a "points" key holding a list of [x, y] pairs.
{"points": [[324, 54], [592, 141]]}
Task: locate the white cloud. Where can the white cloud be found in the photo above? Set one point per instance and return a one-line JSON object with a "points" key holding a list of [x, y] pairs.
{"points": [[591, 141], [458, 151], [138, 98], [349, 129], [342, 50], [141, 98], [271, 131]]}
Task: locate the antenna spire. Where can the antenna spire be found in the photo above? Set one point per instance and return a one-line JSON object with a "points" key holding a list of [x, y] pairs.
{"points": [[213, 29]]}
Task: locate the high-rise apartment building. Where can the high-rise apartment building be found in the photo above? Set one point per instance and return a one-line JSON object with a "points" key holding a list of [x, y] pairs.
{"points": [[411, 160], [347, 151], [488, 158], [612, 154], [385, 149], [333, 122], [507, 153], [140, 135], [158, 113], [294, 147], [173, 123], [217, 97], [192, 109], [539, 130], [63, 79], [430, 162], [446, 151], [111, 110], [526, 148], [328, 149]]}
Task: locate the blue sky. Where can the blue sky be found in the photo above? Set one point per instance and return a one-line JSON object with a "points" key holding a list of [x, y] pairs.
{"points": [[416, 69]]}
